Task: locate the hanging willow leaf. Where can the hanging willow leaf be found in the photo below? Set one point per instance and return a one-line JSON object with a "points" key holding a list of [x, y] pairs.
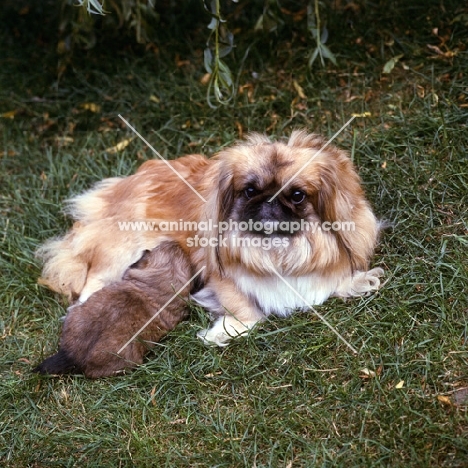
{"points": [[93, 6], [313, 56], [220, 43], [208, 60], [319, 34], [221, 85], [228, 44], [327, 53]]}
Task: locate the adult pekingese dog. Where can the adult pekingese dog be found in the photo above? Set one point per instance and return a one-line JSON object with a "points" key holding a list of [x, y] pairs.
{"points": [[277, 226]]}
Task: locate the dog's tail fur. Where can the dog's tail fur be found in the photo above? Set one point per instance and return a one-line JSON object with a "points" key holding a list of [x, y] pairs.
{"points": [[68, 259], [95, 251], [65, 270], [60, 363]]}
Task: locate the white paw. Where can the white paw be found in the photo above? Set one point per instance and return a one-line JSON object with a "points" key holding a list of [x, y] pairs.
{"points": [[360, 284], [214, 338], [223, 330], [366, 281]]}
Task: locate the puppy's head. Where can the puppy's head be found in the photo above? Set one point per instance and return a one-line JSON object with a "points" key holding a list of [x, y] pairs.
{"points": [[310, 200]]}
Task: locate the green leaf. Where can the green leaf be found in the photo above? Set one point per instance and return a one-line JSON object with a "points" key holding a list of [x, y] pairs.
{"points": [[313, 57], [327, 53], [208, 60], [213, 23], [93, 6], [324, 36]]}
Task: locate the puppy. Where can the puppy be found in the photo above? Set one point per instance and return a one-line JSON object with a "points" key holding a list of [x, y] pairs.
{"points": [[96, 334], [265, 219]]}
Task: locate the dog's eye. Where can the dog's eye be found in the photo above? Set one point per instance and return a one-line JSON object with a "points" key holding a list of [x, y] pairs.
{"points": [[297, 197], [250, 192]]}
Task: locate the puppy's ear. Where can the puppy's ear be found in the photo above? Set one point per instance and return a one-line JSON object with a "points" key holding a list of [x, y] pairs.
{"points": [[60, 363], [143, 261]]}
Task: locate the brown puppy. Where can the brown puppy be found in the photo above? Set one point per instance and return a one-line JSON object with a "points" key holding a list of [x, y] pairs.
{"points": [[278, 226], [95, 331]]}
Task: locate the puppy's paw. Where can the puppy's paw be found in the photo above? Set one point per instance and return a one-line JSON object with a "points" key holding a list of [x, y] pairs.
{"points": [[360, 284]]}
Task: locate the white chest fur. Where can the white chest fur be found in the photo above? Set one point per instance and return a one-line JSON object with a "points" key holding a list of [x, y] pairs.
{"points": [[280, 296]]}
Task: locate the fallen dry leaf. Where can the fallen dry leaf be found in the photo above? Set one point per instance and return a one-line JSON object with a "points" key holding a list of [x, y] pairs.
{"points": [[119, 146], [91, 107], [445, 400], [299, 90], [440, 53], [9, 115], [153, 392], [240, 130], [178, 421], [250, 91], [364, 114], [367, 373], [205, 79], [400, 384], [390, 65], [63, 141]]}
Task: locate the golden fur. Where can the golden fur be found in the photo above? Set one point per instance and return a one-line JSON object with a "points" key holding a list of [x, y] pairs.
{"points": [[241, 284]]}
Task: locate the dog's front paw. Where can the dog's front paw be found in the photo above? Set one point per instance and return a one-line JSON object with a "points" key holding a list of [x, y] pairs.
{"points": [[366, 281], [360, 284], [223, 330], [212, 337]]}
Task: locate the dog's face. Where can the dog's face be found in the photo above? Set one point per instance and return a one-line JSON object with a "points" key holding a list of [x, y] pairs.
{"points": [[292, 191], [262, 194]]}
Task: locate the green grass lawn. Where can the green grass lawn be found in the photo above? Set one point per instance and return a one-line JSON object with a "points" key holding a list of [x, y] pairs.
{"points": [[291, 394]]}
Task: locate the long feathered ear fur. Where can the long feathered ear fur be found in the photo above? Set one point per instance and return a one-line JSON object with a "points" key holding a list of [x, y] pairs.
{"points": [[340, 198], [218, 208]]}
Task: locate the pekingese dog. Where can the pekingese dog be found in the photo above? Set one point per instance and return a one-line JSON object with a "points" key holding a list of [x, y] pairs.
{"points": [[272, 226], [120, 323]]}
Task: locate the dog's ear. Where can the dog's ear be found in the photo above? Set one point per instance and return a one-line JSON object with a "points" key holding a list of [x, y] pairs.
{"points": [[338, 188], [225, 196], [225, 202], [340, 198], [218, 192], [218, 207]]}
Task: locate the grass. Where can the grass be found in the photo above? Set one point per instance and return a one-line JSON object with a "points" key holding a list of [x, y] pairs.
{"points": [[291, 394]]}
